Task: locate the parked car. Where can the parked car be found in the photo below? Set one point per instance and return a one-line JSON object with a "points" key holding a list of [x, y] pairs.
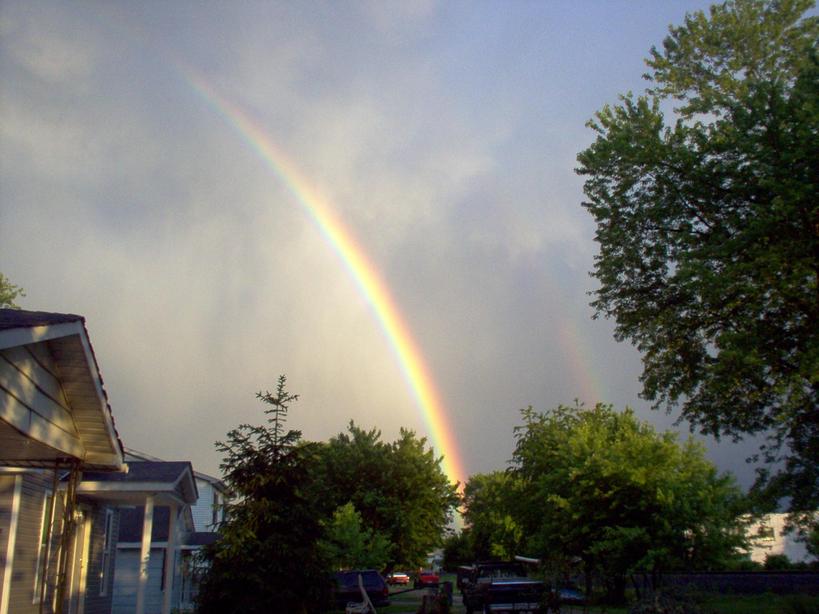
{"points": [[570, 593], [398, 577], [426, 577], [499, 587], [347, 589]]}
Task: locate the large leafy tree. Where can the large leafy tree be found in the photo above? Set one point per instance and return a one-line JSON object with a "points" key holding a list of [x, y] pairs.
{"points": [[704, 190], [350, 545], [490, 503], [268, 557], [398, 488], [603, 487]]}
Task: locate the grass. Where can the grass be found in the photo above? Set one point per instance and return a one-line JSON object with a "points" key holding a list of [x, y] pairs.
{"points": [[767, 603], [710, 603]]}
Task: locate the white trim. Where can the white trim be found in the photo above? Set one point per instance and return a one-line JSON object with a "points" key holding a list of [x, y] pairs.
{"points": [[34, 334], [163, 488], [108, 421], [79, 564], [108, 552], [170, 561], [145, 554], [9, 570], [44, 549]]}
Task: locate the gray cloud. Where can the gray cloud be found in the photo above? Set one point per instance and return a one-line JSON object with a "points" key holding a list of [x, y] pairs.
{"points": [[443, 135]]}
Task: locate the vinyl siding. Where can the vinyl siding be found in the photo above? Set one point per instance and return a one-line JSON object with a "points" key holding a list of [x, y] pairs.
{"points": [[127, 579], [202, 511], [22, 596], [33, 401], [94, 602], [22, 593]]}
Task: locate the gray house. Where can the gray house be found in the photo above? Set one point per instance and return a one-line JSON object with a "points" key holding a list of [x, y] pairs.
{"points": [[56, 542], [154, 501], [205, 514]]}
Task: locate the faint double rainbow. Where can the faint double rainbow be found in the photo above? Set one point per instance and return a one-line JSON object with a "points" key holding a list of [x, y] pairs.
{"points": [[365, 275]]}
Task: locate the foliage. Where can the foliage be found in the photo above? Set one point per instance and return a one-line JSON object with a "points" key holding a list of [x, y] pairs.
{"points": [[777, 562], [490, 500], [708, 226], [458, 550], [267, 558], [348, 545], [603, 487], [9, 293], [398, 488]]}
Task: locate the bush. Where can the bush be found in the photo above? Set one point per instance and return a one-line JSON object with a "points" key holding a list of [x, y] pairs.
{"points": [[777, 562]]}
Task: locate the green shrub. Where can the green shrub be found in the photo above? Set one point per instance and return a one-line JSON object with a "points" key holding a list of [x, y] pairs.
{"points": [[777, 562]]}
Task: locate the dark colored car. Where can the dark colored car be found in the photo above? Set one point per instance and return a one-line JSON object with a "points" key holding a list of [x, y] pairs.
{"points": [[347, 590], [499, 586], [570, 593]]}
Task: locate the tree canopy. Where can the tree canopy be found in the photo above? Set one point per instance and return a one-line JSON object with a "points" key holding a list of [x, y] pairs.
{"points": [[490, 506], [704, 191], [603, 487], [350, 545], [9, 293], [303, 509], [398, 488]]}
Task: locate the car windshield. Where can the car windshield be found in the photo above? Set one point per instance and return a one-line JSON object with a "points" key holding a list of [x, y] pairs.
{"points": [[502, 572]]}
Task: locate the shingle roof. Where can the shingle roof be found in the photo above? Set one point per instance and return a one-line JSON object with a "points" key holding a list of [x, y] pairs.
{"points": [[143, 471], [19, 318]]}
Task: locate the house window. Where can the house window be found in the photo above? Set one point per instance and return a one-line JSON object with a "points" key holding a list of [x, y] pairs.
{"points": [[43, 545], [766, 533], [107, 551]]}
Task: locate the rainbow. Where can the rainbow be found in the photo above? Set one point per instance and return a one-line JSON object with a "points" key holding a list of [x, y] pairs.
{"points": [[366, 277]]}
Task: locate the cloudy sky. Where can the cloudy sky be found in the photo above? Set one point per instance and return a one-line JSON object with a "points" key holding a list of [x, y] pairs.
{"points": [[442, 135]]}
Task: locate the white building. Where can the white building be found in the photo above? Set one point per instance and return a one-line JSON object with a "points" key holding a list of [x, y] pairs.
{"points": [[769, 537]]}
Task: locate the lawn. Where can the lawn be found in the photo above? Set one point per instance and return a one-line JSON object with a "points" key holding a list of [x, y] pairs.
{"points": [[767, 603]]}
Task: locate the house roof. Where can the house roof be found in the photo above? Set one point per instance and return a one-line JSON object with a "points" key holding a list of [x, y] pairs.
{"points": [[137, 455], [53, 404], [167, 481], [19, 318]]}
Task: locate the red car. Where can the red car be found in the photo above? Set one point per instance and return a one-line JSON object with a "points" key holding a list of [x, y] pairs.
{"points": [[398, 577], [426, 577]]}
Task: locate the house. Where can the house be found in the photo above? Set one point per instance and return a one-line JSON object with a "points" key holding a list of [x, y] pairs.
{"points": [[56, 541], [768, 536], [154, 500], [206, 513]]}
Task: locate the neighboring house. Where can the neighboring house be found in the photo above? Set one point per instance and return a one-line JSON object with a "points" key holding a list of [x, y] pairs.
{"points": [[769, 537], [206, 514], [155, 520], [208, 511], [56, 540]]}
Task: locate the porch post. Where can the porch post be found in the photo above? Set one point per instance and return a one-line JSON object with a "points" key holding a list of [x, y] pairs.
{"points": [[170, 559], [145, 553]]}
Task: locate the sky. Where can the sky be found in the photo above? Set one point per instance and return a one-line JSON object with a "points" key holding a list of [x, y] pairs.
{"points": [[375, 199]]}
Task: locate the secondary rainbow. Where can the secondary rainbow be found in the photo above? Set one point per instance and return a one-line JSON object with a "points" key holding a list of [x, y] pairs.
{"points": [[359, 266]]}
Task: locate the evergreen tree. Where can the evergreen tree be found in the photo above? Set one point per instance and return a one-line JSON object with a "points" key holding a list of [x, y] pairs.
{"points": [[267, 558]]}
